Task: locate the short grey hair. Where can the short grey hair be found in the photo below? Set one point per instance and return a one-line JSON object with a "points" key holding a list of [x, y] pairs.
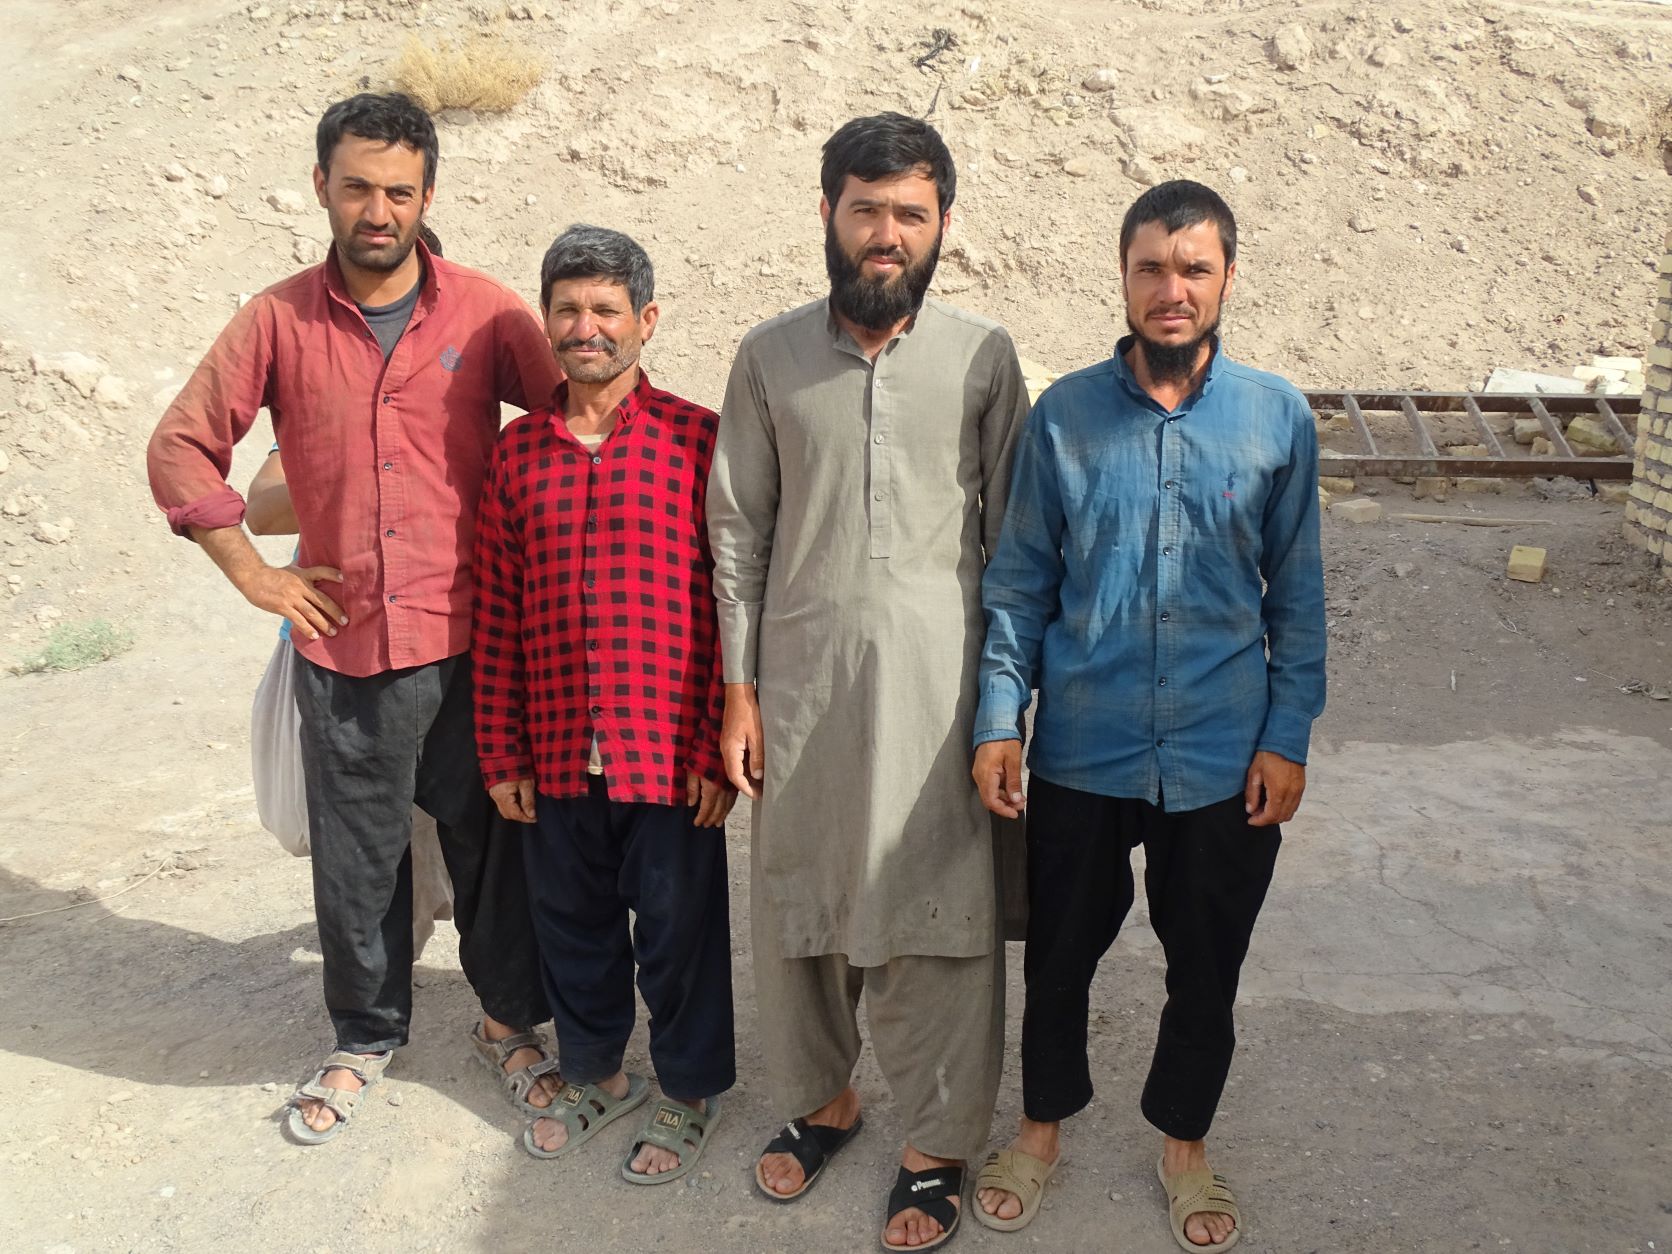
{"points": [[595, 252]]}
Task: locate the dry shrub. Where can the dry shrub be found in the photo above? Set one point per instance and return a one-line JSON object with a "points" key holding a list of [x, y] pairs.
{"points": [[487, 73]]}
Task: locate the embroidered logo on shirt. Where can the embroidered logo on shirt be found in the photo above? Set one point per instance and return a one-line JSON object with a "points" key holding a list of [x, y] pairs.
{"points": [[451, 358], [1230, 486]]}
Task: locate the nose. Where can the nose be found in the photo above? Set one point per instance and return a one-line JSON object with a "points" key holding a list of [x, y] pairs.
{"points": [[586, 326], [377, 207], [887, 234], [1174, 290]]}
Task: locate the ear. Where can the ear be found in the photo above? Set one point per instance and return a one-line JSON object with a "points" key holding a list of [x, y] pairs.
{"points": [[429, 196], [647, 321], [1230, 282], [946, 221], [824, 210], [319, 187]]}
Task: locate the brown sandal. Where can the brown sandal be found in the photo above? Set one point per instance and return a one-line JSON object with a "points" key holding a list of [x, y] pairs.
{"points": [[520, 1083]]}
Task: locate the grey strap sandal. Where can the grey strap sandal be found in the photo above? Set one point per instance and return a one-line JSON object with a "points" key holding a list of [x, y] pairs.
{"points": [[340, 1102], [679, 1130], [585, 1110], [520, 1083]]}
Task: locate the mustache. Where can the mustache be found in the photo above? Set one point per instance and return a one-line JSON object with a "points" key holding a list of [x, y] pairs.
{"points": [[598, 342], [887, 252]]}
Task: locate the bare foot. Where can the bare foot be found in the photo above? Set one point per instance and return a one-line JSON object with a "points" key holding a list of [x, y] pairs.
{"points": [[1177, 1156], [551, 1134], [1037, 1140], [315, 1113], [653, 1160], [781, 1173], [546, 1087], [912, 1226]]}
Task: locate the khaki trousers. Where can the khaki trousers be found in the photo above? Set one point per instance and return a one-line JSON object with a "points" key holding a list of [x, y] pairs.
{"points": [[937, 1025]]}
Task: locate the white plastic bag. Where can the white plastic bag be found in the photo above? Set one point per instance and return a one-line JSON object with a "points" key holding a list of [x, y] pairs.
{"points": [[281, 796]]}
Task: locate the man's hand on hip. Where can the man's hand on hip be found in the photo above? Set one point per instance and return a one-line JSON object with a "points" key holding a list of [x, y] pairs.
{"points": [[741, 747], [1274, 789], [515, 799], [292, 592], [998, 777]]}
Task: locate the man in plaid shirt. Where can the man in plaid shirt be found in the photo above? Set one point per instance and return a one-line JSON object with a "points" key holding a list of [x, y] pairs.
{"points": [[598, 703]]}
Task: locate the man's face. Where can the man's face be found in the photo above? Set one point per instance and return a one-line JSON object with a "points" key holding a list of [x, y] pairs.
{"points": [[595, 334], [881, 245], [1175, 287], [375, 196]]}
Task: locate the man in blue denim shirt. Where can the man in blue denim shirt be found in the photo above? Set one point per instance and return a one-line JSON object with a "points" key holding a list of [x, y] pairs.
{"points": [[1158, 579]]}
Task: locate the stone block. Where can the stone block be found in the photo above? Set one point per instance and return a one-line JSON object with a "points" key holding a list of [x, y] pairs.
{"points": [[1336, 484], [1542, 447], [1526, 564], [1466, 450], [1660, 355], [1614, 492], [1359, 510], [1432, 488], [1527, 430], [1481, 486], [1324, 497], [1589, 437]]}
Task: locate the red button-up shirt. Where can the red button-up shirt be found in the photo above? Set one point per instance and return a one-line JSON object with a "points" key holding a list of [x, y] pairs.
{"points": [[595, 608], [384, 459]]}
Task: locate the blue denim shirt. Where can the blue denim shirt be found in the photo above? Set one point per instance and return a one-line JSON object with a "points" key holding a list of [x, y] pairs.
{"points": [[1158, 579]]}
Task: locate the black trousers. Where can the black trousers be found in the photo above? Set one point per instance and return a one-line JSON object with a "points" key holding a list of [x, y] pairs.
{"points": [[590, 860], [1206, 875], [372, 747]]}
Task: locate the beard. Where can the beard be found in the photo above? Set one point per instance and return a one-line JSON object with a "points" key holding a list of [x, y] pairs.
{"points": [[621, 358], [1172, 363], [877, 303], [383, 258]]}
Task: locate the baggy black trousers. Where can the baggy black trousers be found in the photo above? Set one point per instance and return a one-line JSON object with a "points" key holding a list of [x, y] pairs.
{"points": [[1206, 875], [590, 860], [372, 747]]}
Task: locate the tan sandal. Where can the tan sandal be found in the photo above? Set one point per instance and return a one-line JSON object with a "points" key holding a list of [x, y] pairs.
{"points": [[520, 1083], [340, 1102], [1014, 1172], [1200, 1192]]}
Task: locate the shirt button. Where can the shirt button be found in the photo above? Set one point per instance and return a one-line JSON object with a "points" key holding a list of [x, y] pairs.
{"points": [[393, 598], [597, 461], [879, 439], [1172, 420], [388, 465], [1167, 552], [1160, 743], [390, 533], [1168, 484], [387, 399], [1165, 615], [597, 709], [592, 644], [1162, 682], [876, 496]]}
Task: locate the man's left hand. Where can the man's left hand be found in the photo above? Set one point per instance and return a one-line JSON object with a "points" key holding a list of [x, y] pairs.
{"points": [[1275, 785], [712, 801]]}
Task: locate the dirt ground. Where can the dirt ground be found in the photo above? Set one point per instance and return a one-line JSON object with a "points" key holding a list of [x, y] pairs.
{"points": [[1456, 1032]]}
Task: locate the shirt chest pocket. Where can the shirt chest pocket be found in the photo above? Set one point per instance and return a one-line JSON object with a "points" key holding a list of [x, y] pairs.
{"points": [[1225, 502]]}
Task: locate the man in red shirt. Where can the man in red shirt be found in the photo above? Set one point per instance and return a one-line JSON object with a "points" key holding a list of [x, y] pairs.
{"points": [[383, 369], [598, 705]]}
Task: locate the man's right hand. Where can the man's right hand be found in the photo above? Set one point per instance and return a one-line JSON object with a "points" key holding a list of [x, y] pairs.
{"points": [[741, 747], [998, 777], [515, 799], [290, 591]]}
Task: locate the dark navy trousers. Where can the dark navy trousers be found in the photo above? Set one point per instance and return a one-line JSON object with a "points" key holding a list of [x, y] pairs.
{"points": [[590, 861]]}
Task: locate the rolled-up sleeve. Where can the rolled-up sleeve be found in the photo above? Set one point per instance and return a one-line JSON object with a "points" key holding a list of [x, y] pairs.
{"points": [[190, 453], [743, 488]]}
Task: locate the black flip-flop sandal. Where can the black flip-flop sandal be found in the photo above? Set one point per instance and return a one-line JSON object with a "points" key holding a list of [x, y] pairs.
{"points": [[930, 1192], [812, 1145]]}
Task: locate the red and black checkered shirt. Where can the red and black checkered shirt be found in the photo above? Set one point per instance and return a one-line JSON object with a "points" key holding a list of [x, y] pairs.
{"points": [[594, 604]]}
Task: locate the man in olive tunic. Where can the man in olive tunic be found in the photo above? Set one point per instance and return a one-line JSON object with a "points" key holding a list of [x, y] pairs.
{"points": [[858, 484]]}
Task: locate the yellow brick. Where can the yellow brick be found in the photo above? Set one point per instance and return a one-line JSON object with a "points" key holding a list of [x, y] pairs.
{"points": [[1641, 491], [1661, 355], [1658, 379], [1663, 500], [1636, 535], [1526, 564], [1663, 290], [1657, 426], [1663, 402], [1633, 511], [1657, 544]]}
